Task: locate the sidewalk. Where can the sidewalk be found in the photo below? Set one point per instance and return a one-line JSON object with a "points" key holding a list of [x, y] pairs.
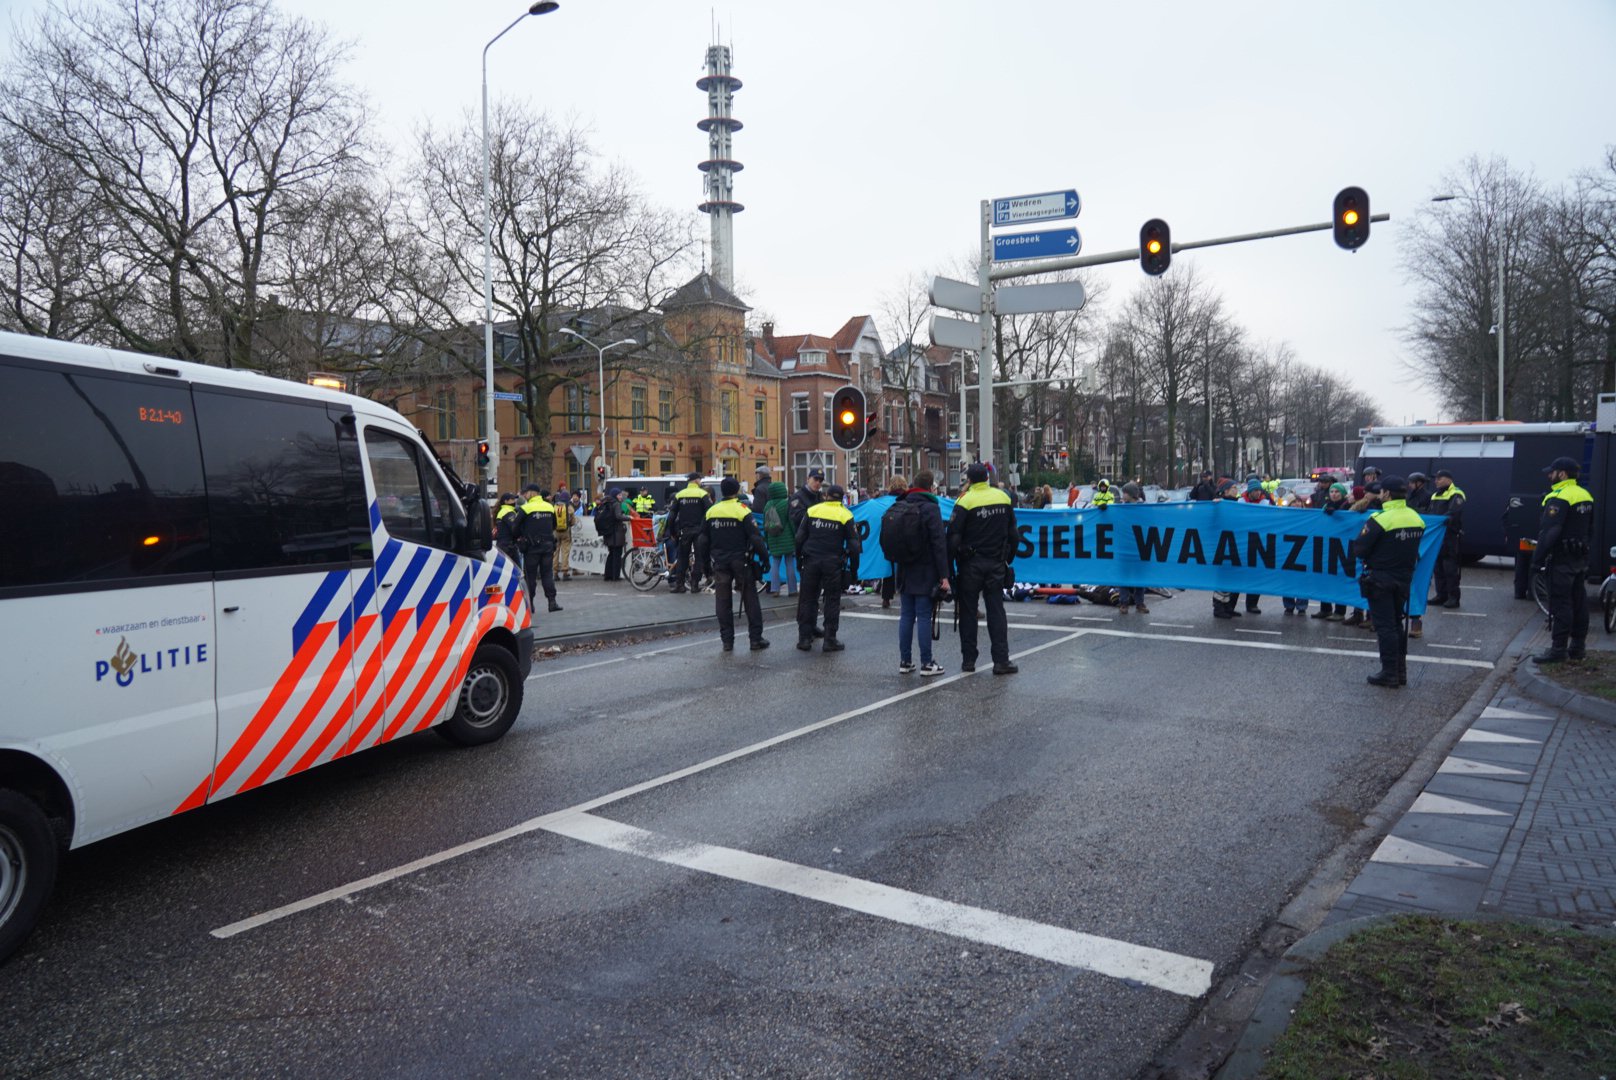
{"points": [[1519, 821]]}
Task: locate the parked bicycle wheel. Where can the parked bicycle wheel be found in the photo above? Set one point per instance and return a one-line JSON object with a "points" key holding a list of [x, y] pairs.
{"points": [[1540, 590], [1607, 598], [646, 569]]}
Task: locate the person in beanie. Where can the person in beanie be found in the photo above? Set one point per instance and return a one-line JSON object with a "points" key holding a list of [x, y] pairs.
{"points": [[827, 542], [729, 539], [1388, 546], [982, 544]]}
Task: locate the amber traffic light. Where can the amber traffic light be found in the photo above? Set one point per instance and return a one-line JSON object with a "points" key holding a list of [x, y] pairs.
{"points": [[1155, 247], [849, 424], [1351, 218]]}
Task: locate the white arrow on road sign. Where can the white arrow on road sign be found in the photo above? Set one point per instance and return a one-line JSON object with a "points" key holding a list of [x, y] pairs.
{"points": [[1046, 296], [955, 333], [955, 295]]}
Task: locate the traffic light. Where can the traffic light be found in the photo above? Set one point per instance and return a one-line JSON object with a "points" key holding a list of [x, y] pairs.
{"points": [[1155, 247], [1351, 218], [483, 457], [849, 423]]}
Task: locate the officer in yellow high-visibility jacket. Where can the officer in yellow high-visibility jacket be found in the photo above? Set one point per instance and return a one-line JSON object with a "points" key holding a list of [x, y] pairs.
{"points": [[982, 544], [1564, 532], [538, 544], [1103, 496], [1447, 501], [827, 541], [729, 538], [1388, 546]]}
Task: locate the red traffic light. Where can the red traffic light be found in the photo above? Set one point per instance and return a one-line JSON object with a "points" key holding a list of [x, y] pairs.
{"points": [[1350, 219], [483, 457], [1155, 247], [849, 421]]}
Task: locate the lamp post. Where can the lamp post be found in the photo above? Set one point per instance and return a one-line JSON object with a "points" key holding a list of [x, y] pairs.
{"points": [[600, 360], [1500, 328], [543, 7]]}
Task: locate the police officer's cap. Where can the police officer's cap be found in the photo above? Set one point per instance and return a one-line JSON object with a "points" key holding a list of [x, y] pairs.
{"points": [[1393, 485], [976, 472], [816, 474], [507, 496], [834, 491], [1566, 465], [1421, 477], [692, 476], [1444, 472], [530, 487], [729, 487], [1371, 469]]}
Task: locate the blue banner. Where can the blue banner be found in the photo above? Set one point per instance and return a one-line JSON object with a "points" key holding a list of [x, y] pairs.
{"points": [[1217, 546]]}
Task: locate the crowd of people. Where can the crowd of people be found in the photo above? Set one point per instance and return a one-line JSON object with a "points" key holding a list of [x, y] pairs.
{"points": [[807, 545]]}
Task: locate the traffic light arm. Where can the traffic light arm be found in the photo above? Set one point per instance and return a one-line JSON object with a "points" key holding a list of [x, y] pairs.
{"points": [[1044, 266]]}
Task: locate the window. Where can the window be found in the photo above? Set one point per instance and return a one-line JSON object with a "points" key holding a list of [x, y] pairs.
{"points": [[811, 357], [665, 466], [276, 491], [827, 411], [636, 397], [760, 417], [728, 405], [640, 466], [445, 412], [524, 426], [102, 479], [664, 410], [799, 413], [524, 471], [482, 414], [577, 475], [579, 414], [415, 506], [732, 466], [698, 413]]}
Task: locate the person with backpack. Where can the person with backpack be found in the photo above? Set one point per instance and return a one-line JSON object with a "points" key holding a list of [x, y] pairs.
{"points": [[781, 540], [827, 540], [538, 544], [564, 515], [913, 540], [606, 527], [687, 514]]}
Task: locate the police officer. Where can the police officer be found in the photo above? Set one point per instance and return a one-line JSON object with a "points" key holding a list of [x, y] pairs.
{"points": [[827, 541], [729, 538], [1447, 501], [982, 545], [797, 509], [538, 543], [1419, 492], [687, 511], [1562, 555], [1388, 546], [507, 526], [643, 502]]}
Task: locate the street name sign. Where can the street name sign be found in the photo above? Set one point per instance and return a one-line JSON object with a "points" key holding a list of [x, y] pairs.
{"points": [[1048, 244], [952, 333], [1044, 296], [1026, 209], [956, 295], [507, 395]]}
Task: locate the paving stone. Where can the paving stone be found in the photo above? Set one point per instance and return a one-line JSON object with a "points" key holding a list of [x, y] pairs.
{"points": [[1476, 833], [1478, 789]]}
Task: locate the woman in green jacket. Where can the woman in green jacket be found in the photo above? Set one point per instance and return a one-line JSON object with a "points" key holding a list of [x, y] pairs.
{"points": [[777, 533]]}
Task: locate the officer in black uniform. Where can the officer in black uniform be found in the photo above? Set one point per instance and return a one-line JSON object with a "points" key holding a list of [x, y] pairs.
{"points": [[1388, 546], [729, 538], [508, 526], [538, 540], [827, 542], [1562, 556], [797, 509], [687, 513], [982, 545], [1448, 500]]}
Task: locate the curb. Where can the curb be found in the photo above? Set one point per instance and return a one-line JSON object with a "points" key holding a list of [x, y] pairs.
{"points": [[1539, 687], [1289, 981]]}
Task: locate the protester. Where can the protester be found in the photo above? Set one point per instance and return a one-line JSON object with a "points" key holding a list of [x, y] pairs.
{"points": [[897, 487], [762, 483], [782, 542], [1334, 502], [1131, 596], [1205, 490], [1223, 603], [564, 515], [612, 528], [920, 570], [1256, 494]]}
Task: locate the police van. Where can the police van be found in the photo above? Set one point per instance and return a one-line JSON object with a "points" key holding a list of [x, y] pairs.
{"points": [[210, 580]]}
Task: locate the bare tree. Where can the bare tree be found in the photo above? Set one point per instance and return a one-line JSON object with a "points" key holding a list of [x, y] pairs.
{"points": [[195, 122]]}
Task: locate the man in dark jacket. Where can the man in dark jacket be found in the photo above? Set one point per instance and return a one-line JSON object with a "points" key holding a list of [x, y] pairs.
{"points": [[805, 497], [687, 514], [729, 538], [1206, 490], [982, 542], [918, 581], [827, 540], [760, 489]]}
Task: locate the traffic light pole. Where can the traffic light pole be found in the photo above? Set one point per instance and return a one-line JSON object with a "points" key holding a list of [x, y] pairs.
{"points": [[1077, 262]]}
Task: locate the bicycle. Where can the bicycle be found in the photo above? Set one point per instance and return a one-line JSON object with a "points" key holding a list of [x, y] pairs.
{"points": [[1607, 595], [646, 565]]}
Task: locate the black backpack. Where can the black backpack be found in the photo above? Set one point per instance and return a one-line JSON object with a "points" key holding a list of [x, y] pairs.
{"points": [[903, 533], [605, 521]]}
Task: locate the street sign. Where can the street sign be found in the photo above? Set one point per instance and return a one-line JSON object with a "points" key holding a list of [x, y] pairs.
{"points": [[507, 395], [581, 451], [1026, 209], [956, 295], [953, 444], [1036, 245], [955, 333], [1045, 296]]}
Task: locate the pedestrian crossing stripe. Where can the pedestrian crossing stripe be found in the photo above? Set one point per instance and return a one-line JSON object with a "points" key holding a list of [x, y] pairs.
{"points": [[1497, 737], [1493, 712], [1441, 804], [1464, 767], [1394, 849]]}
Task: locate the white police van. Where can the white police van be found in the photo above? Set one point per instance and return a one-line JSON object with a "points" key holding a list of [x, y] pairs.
{"points": [[210, 580]]}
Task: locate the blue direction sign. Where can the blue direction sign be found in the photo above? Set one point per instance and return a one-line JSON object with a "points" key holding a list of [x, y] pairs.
{"points": [[1026, 209], [1036, 245], [506, 395]]}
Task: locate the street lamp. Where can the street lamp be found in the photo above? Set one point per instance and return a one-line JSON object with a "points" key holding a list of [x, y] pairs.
{"points": [[543, 7], [1500, 327], [600, 360]]}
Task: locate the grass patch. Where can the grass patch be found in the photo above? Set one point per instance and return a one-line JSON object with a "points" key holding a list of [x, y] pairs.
{"points": [[1594, 676], [1424, 996]]}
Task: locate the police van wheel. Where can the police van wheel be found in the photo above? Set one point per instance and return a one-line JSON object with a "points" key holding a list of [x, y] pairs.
{"points": [[29, 853], [490, 698]]}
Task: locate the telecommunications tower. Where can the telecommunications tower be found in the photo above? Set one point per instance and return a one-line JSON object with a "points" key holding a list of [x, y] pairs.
{"points": [[720, 87]]}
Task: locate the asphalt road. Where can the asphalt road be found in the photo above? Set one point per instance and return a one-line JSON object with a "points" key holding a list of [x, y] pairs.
{"points": [[760, 864]]}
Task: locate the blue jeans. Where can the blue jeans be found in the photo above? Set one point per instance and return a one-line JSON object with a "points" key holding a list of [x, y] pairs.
{"points": [[782, 566], [1294, 603], [914, 614], [1134, 596]]}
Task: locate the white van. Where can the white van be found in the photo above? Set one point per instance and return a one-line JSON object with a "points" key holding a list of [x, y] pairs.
{"points": [[210, 580]]}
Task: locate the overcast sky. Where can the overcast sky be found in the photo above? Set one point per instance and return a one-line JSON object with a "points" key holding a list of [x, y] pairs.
{"points": [[874, 128]]}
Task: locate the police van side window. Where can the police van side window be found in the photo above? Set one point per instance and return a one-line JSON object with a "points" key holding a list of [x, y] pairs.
{"points": [[413, 503], [100, 480], [276, 493]]}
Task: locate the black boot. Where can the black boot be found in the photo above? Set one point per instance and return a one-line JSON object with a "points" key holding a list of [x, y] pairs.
{"points": [[1222, 611], [554, 606], [1555, 654], [832, 645], [805, 644], [1383, 677], [1577, 650]]}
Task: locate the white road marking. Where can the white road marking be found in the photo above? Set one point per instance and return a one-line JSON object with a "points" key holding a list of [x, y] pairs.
{"points": [[1174, 625], [1243, 630], [1096, 618], [1466, 648], [522, 828], [1010, 625], [576, 667], [1394, 849], [1457, 766], [1497, 737], [1485, 665], [1484, 588], [1441, 804], [1493, 712], [1348, 637], [672, 648], [1466, 614], [1176, 974]]}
